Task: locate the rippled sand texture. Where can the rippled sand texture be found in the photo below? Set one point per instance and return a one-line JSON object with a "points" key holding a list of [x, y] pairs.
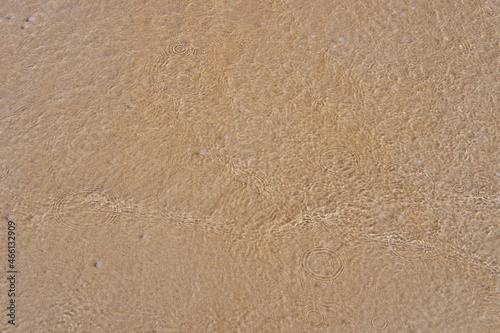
{"points": [[251, 166]]}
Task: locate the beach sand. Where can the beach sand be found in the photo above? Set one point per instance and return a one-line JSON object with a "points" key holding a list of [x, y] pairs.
{"points": [[249, 166]]}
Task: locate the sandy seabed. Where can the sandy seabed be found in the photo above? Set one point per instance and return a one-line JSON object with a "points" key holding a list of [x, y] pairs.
{"points": [[249, 166]]}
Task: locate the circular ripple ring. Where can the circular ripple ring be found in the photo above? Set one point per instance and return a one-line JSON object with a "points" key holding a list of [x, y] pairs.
{"points": [[89, 202], [315, 318], [335, 263]]}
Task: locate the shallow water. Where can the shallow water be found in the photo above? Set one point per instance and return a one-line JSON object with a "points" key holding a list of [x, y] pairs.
{"points": [[251, 166]]}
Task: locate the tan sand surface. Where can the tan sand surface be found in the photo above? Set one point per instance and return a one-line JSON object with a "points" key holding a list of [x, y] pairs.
{"points": [[249, 166]]}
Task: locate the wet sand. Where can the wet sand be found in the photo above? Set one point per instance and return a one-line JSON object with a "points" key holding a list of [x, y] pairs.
{"points": [[250, 166]]}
